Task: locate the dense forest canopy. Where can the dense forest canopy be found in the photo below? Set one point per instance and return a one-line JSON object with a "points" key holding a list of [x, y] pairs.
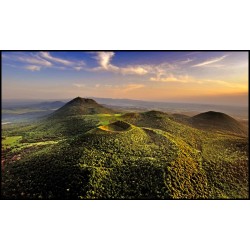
{"points": [[87, 151]]}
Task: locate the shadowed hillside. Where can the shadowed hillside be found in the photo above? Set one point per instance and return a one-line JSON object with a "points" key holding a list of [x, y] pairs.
{"points": [[81, 106], [118, 126], [219, 122]]}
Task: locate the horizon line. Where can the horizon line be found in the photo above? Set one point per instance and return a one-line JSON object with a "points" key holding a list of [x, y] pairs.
{"points": [[139, 100]]}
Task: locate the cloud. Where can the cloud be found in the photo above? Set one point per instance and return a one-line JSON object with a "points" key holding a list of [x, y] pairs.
{"points": [[33, 67], [79, 85], [55, 59], [78, 68], [211, 61], [124, 87], [213, 83], [242, 86], [186, 61], [43, 60], [48, 56], [76, 65], [33, 60], [132, 86], [138, 70], [104, 61], [192, 80], [10, 65], [172, 78]]}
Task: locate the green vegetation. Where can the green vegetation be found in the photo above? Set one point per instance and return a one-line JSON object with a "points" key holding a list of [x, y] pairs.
{"points": [[11, 141], [150, 155]]}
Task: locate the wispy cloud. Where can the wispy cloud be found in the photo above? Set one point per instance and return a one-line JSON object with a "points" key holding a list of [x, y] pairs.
{"points": [[121, 87], [33, 67], [186, 61], [69, 64], [78, 68], [40, 60], [193, 80], [10, 65], [46, 59], [210, 61], [201, 82], [28, 59], [132, 86], [32, 59], [138, 70], [227, 84], [172, 78], [49, 57], [79, 85]]}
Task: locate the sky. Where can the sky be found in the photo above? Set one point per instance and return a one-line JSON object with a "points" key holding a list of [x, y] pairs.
{"points": [[219, 77]]}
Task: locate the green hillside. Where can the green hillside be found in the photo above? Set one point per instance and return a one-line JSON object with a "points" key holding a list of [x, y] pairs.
{"points": [[150, 155], [166, 122]]}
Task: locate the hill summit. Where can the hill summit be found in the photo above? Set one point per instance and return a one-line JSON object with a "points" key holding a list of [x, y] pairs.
{"points": [[81, 106], [218, 121], [81, 101]]}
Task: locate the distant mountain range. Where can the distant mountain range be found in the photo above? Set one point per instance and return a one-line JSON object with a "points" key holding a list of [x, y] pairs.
{"points": [[134, 105]]}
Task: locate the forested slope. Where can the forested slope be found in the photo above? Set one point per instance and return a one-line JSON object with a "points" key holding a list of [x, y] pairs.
{"points": [[150, 155]]}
